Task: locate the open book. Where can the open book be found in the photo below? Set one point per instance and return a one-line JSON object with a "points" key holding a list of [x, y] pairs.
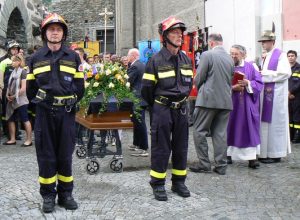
{"points": [[237, 76]]}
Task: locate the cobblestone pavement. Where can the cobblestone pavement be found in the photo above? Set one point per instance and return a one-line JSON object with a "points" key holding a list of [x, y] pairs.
{"points": [[271, 192]]}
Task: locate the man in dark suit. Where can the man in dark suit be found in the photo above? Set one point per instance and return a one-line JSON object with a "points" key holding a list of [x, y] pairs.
{"points": [[213, 104], [135, 73]]}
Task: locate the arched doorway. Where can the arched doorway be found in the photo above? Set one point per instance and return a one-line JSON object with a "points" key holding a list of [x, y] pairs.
{"points": [[16, 28]]}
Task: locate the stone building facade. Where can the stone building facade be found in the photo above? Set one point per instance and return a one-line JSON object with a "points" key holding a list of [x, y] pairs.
{"points": [[20, 20], [85, 22], [138, 20], [133, 20]]}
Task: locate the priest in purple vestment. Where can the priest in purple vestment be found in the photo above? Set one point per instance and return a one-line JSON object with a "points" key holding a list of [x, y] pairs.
{"points": [[243, 131]]}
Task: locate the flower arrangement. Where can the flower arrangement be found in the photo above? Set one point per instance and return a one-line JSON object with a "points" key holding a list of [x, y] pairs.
{"points": [[109, 79]]}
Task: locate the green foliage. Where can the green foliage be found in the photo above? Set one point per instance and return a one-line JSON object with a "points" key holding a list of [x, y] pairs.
{"points": [[111, 80]]}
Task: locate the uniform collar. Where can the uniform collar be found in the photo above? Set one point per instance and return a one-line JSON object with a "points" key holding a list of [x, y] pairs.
{"points": [[296, 65], [45, 50], [167, 54]]}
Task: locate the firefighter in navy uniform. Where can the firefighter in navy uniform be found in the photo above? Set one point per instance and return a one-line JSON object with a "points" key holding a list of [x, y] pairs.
{"points": [[294, 97], [55, 85], [166, 85], [13, 48]]}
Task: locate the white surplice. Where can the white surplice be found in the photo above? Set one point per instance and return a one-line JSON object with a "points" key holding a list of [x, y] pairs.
{"points": [[275, 136]]}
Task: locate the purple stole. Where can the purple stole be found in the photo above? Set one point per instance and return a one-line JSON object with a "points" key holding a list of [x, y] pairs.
{"points": [[268, 97]]}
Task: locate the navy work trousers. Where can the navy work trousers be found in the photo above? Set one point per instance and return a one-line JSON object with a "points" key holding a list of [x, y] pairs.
{"points": [[54, 141], [169, 133]]}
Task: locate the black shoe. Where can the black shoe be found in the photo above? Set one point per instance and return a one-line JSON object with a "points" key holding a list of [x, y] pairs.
{"points": [[277, 160], [219, 171], [68, 203], [269, 160], [48, 204], [253, 164], [159, 193], [229, 160], [199, 170], [181, 189], [11, 143]]}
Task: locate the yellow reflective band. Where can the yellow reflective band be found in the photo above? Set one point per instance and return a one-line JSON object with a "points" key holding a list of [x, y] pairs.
{"points": [[158, 175], [42, 91], [65, 179], [30, 76], [179, 172], [79, 75], [187, 73], [149, 76], [47, 180], [41, 70], [159, 102], [67, 69], [167, 74], [296, 74], [297, 126], [64, 97], [291, 125]]}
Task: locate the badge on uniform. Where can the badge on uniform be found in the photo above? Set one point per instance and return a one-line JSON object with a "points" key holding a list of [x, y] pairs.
{"points": [[68, 78], [187, 79]]}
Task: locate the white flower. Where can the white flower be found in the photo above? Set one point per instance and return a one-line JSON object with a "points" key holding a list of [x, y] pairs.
{"points": [[111, 85], [128, 84], [96, 84], [86, 84], [101, 67], [126, 76], [108, 72]]}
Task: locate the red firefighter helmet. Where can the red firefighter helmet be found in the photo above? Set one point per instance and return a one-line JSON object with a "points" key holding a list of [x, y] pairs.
{"points": [[169, 24], [54, 19]]}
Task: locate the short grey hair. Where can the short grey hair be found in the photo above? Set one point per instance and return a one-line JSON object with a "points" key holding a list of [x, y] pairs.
{"points": [[241, 48], [215, 37]]}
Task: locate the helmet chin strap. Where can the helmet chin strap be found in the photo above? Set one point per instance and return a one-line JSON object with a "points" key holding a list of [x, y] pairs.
{"points": [[52, 42], [167, 39]]}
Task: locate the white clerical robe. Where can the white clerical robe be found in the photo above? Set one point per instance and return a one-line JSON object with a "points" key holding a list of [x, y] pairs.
{"points": [[275, 136]]}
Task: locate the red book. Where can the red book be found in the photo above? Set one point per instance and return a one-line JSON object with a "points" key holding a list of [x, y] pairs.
{"points": [[237, 76]]}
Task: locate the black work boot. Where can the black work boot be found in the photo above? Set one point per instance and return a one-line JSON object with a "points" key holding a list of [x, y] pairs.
{"points": [[48, 204], [159, 193], [292, 131], [296, 138], [180, 189], [68, 203]]}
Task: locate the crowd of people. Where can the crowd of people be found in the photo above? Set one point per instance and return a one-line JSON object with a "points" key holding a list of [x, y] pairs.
{"points": [[251, 113]]}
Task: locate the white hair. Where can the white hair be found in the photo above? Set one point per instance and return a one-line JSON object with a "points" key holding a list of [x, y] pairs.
{"points": [[134, 51]]}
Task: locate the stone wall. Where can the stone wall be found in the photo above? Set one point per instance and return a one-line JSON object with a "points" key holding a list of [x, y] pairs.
{"points": [[83, 16], [17, 21], [145, 16]]}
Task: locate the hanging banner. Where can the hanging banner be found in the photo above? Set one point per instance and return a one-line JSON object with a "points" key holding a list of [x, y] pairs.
{"points": [[147, 49]]}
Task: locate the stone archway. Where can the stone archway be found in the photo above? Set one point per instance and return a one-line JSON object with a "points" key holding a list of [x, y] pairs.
{"points": [[16, 22], [16, 28]]}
